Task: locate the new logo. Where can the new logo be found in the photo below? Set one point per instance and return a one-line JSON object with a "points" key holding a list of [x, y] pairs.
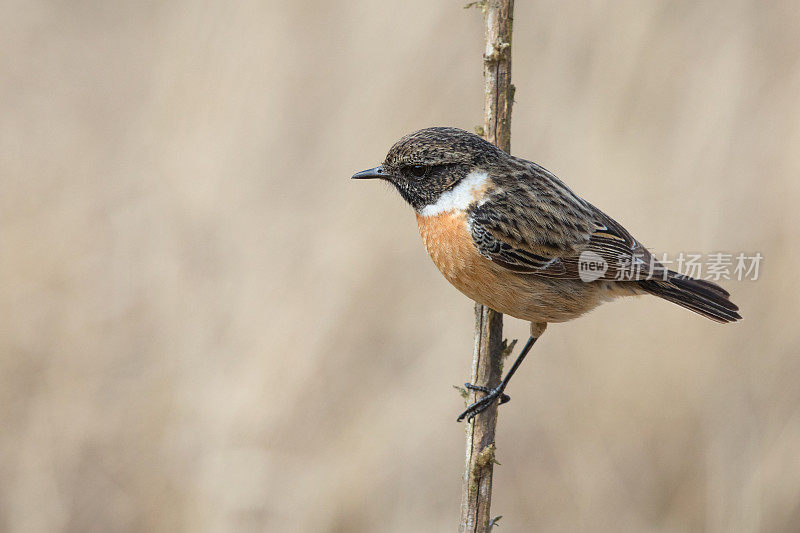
{"points": [[591, 266]]}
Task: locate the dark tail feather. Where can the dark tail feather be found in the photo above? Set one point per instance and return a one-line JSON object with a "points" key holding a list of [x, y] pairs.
{"points": [[700, 296]]}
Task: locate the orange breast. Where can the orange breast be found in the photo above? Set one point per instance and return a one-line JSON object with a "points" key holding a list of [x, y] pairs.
{"points": [[449, 243], [529, 297]]}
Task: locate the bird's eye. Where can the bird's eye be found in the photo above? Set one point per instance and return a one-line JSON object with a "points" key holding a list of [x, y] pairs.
{"points": [[418, 171]]}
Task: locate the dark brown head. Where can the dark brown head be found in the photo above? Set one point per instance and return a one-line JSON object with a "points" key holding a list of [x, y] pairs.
{"points": [[427, 163]]}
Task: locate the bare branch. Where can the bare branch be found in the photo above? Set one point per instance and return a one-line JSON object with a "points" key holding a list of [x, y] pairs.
{"points": [[487, 361]]}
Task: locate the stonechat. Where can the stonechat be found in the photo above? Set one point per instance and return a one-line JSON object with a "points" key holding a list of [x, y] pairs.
{"points": [[512, 236]]}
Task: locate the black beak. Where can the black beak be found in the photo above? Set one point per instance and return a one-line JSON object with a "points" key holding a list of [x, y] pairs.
{"points": [[370, 174]]}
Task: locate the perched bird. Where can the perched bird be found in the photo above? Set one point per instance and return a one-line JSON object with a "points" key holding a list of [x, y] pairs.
{"points": [[510, 235]]}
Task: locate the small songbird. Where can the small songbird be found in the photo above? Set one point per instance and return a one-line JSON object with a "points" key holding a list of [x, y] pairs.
{"points": [[510, 235]]}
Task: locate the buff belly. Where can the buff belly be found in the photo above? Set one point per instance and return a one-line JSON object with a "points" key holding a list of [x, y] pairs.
{"points": [[529, 297]]}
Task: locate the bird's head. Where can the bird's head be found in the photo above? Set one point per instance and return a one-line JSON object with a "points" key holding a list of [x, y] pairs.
{"points": [[427, 163]]}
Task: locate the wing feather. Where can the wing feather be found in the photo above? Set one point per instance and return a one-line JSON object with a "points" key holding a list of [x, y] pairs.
{"points": [[536, 225]]}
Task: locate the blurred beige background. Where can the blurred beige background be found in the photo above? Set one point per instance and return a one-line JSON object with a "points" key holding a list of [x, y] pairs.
{"points": [[208, 327]]}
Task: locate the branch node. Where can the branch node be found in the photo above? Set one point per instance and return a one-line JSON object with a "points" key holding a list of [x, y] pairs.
{"points": [[486, 457], [463, 392], [481, 4], [507, 347], [497, 52]]}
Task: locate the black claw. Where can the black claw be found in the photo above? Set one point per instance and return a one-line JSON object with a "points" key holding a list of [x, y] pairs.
{"points": [[497, 392], [481, 388], [481, 405], [504, 398]]}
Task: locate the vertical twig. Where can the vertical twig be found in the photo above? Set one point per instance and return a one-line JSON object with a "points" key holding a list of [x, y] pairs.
{"points": [[476, 493]]}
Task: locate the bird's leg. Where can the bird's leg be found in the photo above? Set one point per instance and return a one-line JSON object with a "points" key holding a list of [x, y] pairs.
{"points": [[498, 392]]}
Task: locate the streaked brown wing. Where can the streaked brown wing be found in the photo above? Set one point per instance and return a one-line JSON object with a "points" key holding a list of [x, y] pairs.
{"points": [[626, 257], [533, 232]]}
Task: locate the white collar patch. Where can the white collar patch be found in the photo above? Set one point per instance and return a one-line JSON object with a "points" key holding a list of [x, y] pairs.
{"points": [[459, 197]]}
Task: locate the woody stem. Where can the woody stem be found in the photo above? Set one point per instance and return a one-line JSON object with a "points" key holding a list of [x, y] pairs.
{"points": [[476, 492]]}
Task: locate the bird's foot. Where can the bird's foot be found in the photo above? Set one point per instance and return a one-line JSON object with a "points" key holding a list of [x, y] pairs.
{"points": [[481, 405]]}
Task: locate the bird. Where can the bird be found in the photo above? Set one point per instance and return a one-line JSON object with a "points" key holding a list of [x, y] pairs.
{"points": [[510, 235]]}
